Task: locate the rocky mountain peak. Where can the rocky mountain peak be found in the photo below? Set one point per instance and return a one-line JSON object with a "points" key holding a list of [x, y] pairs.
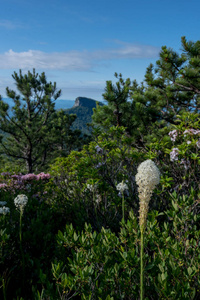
{"points": [[85, 102]]}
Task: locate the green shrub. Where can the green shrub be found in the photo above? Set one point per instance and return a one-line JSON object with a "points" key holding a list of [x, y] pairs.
{"points": [[98, 265]]}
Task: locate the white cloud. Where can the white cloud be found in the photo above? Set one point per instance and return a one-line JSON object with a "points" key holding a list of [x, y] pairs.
{"points": [[74, 60], [71, 60], [7, 24], [128, 51]]}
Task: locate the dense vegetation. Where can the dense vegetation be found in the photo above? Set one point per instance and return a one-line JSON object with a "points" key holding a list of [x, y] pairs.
{"points": [[73, 232]]}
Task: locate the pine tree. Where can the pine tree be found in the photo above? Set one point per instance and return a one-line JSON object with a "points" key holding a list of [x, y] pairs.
{"points": [[35, 131], [122, 110], [171, 87], [118, 107]]}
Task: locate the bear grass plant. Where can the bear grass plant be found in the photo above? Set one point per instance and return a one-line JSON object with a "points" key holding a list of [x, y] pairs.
{"points": [[147, 177]]}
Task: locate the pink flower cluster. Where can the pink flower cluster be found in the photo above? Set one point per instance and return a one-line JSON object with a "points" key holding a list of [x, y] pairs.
{"points": [[43, 176], [198, 144], [175, 151], [3, 186], [174, 154], [19, 181], [5, 174], [173, 135], [32, 176], [191, 131]]}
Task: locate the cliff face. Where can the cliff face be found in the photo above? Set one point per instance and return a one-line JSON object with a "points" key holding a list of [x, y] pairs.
{"points": [[85, 102], [83, 109]]}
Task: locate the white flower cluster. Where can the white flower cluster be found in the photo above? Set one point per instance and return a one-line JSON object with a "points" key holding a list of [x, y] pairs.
{"points": [[21, 201], [147, 177], [4, 210], [98, 199], [174, 154], [198, 144], [173, 135], [121, 187], [98, 149], [91, 187], [99, 165], [185, 163]]}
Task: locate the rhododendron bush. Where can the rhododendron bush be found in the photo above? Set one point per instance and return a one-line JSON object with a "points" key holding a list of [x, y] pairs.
{"points": [[178, 155], [31, 184]]}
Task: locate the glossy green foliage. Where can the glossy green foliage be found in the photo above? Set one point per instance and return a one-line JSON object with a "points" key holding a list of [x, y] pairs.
{"points": [[105, 264], [179, 272], [98, 265]]}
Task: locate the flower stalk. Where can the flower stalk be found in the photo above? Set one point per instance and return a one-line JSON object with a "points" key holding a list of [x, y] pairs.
{"points": [[20, 239], [122, 187], [142, 265], [123, 208], [20, 202]]}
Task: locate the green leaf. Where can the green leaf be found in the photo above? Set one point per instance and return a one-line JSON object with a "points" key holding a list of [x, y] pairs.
{"points": [[166, 226], [175, 205], [189, 270], [161, 268], [149, 266], [75, 236], [164, 276]]}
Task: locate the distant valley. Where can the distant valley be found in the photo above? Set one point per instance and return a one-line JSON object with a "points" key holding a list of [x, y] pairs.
{"points": [[59, 104], [81, 106]]}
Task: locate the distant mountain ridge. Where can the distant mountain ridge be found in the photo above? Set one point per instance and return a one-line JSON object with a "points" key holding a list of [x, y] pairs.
{"points": [[83, 109], [86, 102]]}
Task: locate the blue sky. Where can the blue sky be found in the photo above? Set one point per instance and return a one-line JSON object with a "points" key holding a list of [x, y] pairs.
{"points": [[81, 44]]}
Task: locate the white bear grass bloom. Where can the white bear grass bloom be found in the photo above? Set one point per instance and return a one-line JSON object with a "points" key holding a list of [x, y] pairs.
{"points": [[147, 177], [121, 187], [20, 202], [91, 187], [4, 210]]}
